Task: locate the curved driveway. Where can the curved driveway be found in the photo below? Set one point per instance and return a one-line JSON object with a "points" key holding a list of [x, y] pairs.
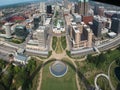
{"points": [[95, 81]]}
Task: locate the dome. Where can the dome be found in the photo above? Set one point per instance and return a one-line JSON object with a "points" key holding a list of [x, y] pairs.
{"points": [[58, 69]]}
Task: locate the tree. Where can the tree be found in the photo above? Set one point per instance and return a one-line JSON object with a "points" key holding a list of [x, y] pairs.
{"points": [[17, 69], [2, 63], [2, 86], [31, 65], [118, 86], [118, 61], [89, 58]]}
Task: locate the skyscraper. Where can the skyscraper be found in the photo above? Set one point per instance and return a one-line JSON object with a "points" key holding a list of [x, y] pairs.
{"points": [[97, 27], [49, 9], [83, 7], [66, 3], [7, 30], [36, 21], [42, 7], [115, 25]]}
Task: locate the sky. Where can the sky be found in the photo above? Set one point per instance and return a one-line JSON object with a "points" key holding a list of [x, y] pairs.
{"points": [[6, 2]]}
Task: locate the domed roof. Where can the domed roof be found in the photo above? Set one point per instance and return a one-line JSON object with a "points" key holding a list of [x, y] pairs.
{"points": [[58, 69]]}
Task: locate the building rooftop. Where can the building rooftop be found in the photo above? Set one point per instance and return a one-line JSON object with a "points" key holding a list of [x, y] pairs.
{"points": [[21, 57], [76, 29], [76, 15], [33, 42]]}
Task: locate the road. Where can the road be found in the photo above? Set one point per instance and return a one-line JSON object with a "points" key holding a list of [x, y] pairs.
{"points": [[95, 81], [102, 47]]}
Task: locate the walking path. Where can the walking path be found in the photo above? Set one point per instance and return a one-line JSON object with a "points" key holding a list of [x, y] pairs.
{"points": [[112, 87], [106, 76], [59, 57]]}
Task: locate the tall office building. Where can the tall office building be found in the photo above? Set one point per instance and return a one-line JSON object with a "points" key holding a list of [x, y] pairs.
{"points": [[41, 35], [115, 27], [83, 6], [76, 36], [43, 16], [42, 7], [7, 30], [99, 10], [66, 3], [36, 21], [88, 34], [97, 27], [81, 35], [76, 8], [49, 9]]}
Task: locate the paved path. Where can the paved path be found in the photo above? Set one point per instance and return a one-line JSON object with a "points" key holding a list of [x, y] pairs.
{"points": [[106, 76], [59, 57], [95, 81], [112, 87]]}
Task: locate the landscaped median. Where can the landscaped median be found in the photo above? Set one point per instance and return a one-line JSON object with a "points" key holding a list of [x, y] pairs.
{"points": [[54, 42], [58, 49], [63, 42]]}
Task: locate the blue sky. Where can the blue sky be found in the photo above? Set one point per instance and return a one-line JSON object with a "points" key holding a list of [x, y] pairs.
{"points": [[5, 2]]}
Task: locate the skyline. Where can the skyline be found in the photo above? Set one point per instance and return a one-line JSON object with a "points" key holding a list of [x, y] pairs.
{"points": [[8, 2]]}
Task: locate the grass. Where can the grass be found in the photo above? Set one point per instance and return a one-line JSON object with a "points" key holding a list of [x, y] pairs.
{"points": [[17, 41], [54, 42], [56, 22], [113, 77], [63, 42], [66, 82], [90, 70], [58, 49], [68, 53], [103, 83]]}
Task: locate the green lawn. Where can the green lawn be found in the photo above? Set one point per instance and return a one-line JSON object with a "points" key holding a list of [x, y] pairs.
{"points": [[54, 42], [103, 83], [63, 42], [17, 41], [58, 47], [66, 82], [113, 77]]}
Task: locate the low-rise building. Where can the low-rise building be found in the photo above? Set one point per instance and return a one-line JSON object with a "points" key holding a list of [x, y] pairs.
{"points": [[21, 58]]}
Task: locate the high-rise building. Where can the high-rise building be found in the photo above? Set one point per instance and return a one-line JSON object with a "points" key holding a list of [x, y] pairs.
{"points": [[49, 9], [96, 9], [83, 7], [42, 7], [88, 34], [76, 36], [41, 36], [76, 8], [7, 30], [81, 35], [115, 27], [66, 3], [36, 21], [99, 10], [97, 27], [43, 17]]}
